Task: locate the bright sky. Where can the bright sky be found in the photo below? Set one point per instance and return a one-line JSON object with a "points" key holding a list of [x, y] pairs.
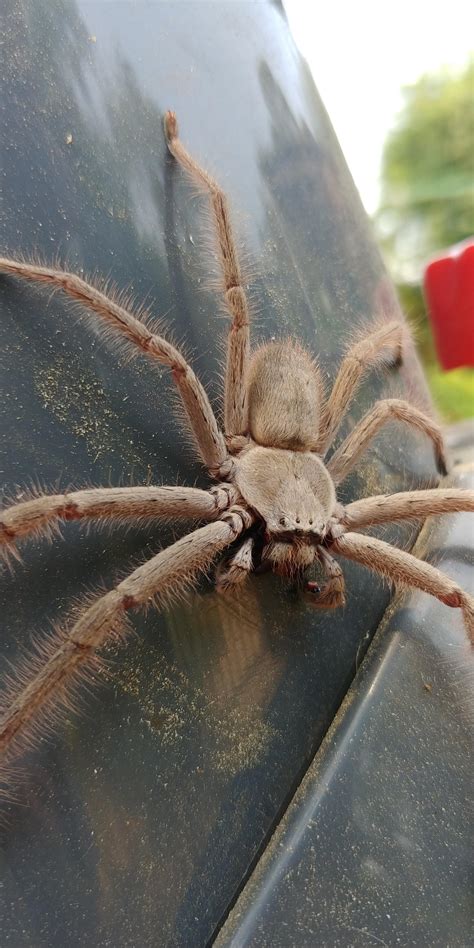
{"points": [[361, 54]]}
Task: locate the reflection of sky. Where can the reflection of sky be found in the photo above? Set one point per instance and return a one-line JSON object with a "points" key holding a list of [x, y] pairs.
{"points": [[122, 38], [361, 54]]}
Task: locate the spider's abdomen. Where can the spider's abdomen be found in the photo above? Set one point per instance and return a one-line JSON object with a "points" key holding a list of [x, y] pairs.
{"points": [[284, 397]]}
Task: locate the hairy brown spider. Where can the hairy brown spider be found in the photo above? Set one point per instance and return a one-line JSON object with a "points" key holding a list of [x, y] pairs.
{"points": [[275, 500]]}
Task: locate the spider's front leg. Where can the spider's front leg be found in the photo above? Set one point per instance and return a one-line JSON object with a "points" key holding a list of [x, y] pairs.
{"points": [[128, 327], [43, 685], [238, 345]]}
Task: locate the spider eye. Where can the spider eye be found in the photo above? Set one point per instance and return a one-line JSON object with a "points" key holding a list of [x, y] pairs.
{"points": [[283, 521], [297, 520]]}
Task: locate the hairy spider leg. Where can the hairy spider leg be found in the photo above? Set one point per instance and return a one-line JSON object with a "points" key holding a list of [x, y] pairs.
{"points": [[41, 515], [238, 344], [369, 350], [390, 409], [44, 685], [204, 427], [407, 505], [406, 570]]}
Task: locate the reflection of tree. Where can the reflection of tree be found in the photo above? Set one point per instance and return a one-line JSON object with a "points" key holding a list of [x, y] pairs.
{"points": [[428, 204], [115, 134], [428, 199], [320, 226], [83, 166], [194, 704]]}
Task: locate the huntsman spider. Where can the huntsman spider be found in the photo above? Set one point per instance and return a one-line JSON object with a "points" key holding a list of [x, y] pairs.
{"points": [[274, 505]]}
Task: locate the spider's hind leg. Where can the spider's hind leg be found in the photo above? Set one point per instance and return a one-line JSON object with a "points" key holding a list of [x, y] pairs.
{"points": [[381, 347], [389, 409]]}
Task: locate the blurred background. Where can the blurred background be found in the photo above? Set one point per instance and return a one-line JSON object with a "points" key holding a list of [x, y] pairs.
{"points": [[398, 83]]}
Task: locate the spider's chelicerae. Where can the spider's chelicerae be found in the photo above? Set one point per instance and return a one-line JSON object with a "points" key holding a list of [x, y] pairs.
{"points": [[275, 502]]}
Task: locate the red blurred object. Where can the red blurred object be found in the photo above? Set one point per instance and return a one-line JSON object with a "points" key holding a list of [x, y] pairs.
{"points": [[449, 293]]}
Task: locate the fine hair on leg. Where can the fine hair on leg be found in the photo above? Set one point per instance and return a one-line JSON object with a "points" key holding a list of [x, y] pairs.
{"points": [[404, 569], [370, 350], [42, 514], [45, 684], [121, 321], [408, 505], [391, 409], [238, 344]]}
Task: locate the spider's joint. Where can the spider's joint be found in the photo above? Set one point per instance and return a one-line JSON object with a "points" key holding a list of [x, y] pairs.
{"points": [[335, 530], [6, 532], [178, 370], [239, 519], [235, 298], [224, 496], [225, 470], [237, 443], [146, 341], [129, 602], [82, 646], [69, 511]]}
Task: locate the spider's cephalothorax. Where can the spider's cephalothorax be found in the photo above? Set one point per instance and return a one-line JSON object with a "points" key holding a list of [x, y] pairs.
{"points": [[274, 505], [292, 493]]}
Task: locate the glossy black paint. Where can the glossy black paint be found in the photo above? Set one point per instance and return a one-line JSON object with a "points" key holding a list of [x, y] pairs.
{"points": [[139, 821]]}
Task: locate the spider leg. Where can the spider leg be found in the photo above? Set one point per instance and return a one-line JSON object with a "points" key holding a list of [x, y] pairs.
{"points": [[40, 515], [40, 690], [201, 418], [391, 409], [382, 347], [238, 345], [234, 573], [415, 504], [332, 594], [406, 570]]}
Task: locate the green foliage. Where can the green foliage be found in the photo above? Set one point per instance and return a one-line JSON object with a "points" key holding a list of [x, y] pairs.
{"points": [[427, 204], [428, 167], [413, 305], [453, 392]]}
